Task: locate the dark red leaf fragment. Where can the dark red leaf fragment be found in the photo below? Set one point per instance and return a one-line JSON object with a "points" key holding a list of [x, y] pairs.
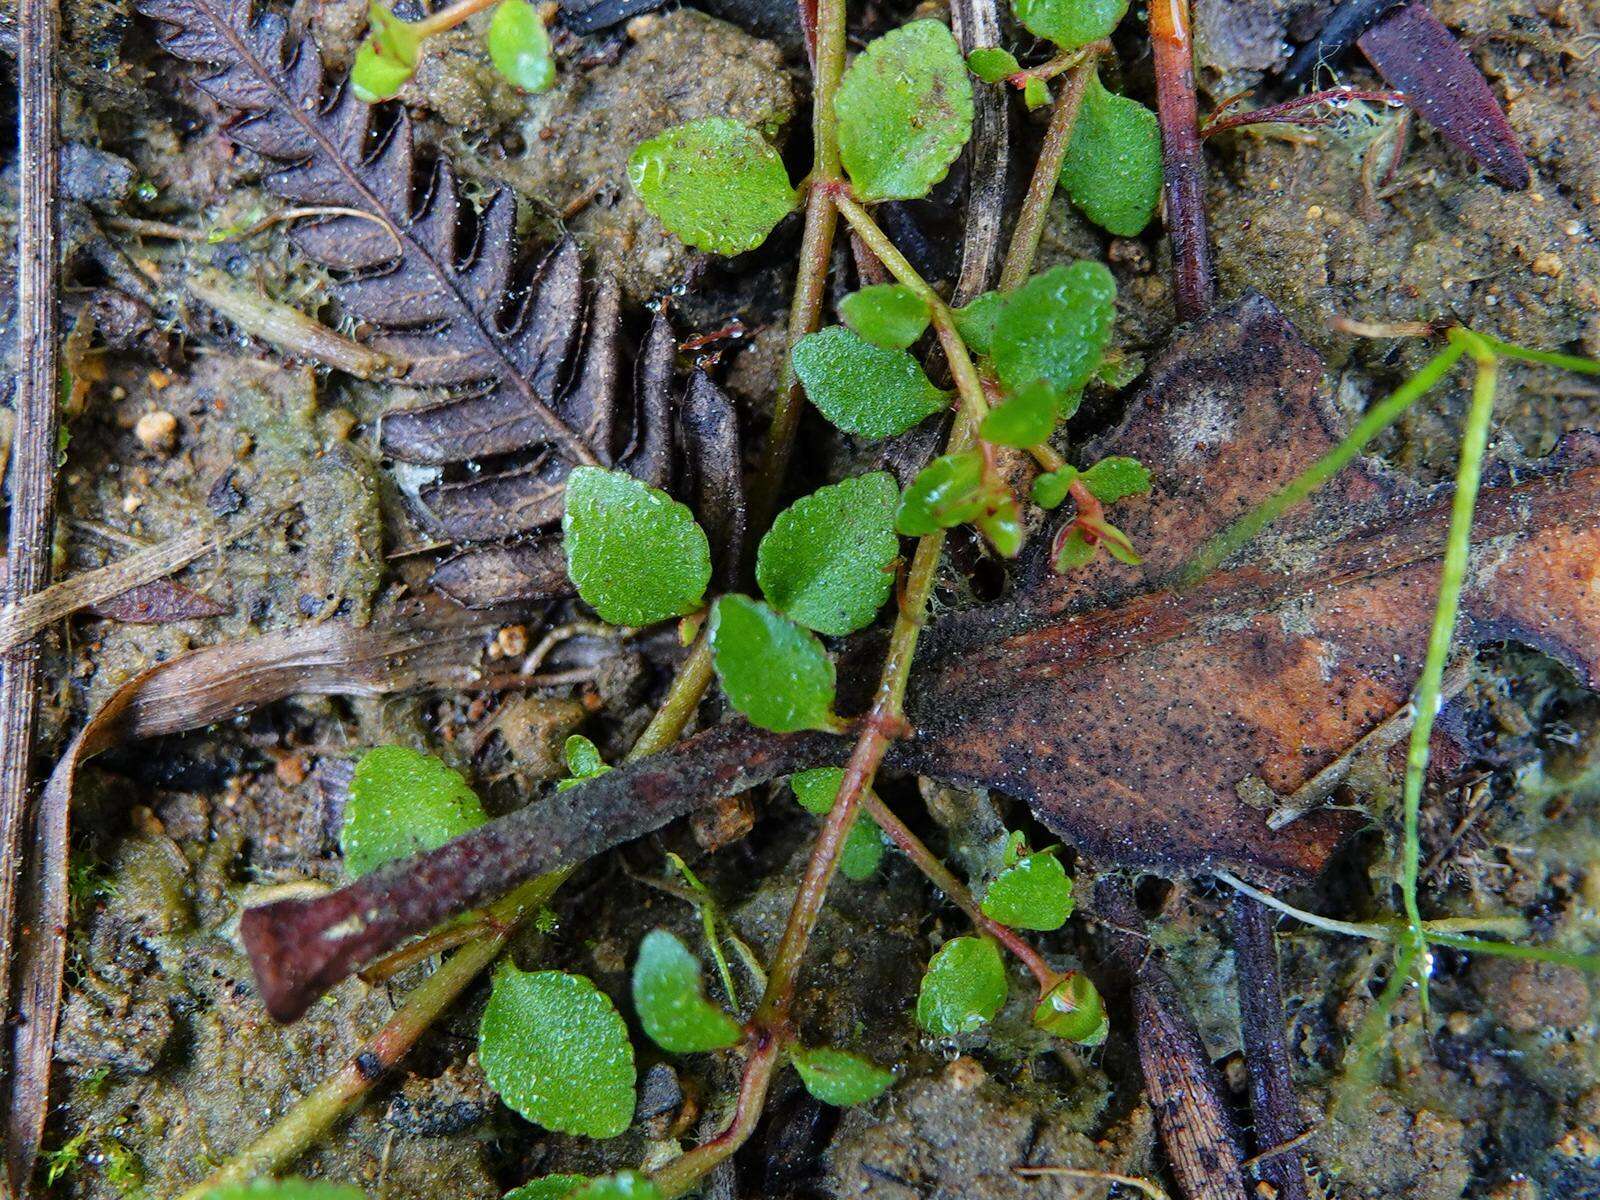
{"points": [[1414, 52]]}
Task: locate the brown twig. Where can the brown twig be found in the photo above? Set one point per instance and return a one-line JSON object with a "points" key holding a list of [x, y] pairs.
{"points": [[1293, 112], [1196, 1128], [1266, 1051], [1194, 284], [29, 539], [1046, 172], [977, 23]]}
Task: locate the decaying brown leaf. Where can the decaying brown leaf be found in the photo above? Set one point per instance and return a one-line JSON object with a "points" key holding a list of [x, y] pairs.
{"points": [[157, 603], [1127, 713]]}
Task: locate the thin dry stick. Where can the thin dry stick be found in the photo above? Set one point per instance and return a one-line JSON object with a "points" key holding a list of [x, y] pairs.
{"points": [[27, 617], [34, 451], [1046, 171]]}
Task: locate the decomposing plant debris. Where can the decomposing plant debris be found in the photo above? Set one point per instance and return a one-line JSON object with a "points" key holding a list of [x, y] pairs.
{"points": [[1030, 554]]}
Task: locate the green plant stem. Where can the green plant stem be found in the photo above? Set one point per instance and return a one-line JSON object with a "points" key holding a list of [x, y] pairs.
{"points": [[1377, 419], [317, 1111], [1384, 931], [811, 277], [1547, 358], [1046, 172], [1452, 575], [957, 892], [771, 1027]]}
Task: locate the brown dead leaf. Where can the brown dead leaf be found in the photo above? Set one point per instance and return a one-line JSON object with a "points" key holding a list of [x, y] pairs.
{"points": [[157, 603], [1129, 715]]}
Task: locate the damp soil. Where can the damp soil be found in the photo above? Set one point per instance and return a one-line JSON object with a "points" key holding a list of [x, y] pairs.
{"points": [[166, 1062]]}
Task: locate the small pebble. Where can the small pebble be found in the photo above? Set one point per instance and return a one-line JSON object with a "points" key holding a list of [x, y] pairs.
{"points": [[157, 431], [1548, 264], [512, 641]]}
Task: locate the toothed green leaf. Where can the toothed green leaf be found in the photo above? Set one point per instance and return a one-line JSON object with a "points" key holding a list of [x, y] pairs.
{"points": [[773, 671], [838, 1078], [828, 560], [403, 802], [670, 997], [519, 46], [1112, 168], [862, 388], [965, 985], [890, 315], [717, 184]]}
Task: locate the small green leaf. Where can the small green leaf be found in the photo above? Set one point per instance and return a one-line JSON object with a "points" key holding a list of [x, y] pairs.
{"points": [[1055, 327], [838, 1078], [1117, 478], [624, 1185], [635, 554], [387, 58], [670, 998], [1118, 545], [548, 1187], [285, 1189], [556, 1051], [862, 388], [947, 492], [1035, 93], [1112, 169], [1051, 488], [992, 64], [1001, 523], [1074, 1010], [827, 562], [583, 761], [890, 315], [1035, 893], [1024, 420], [519, 46], [773, 671], [403, 802], [965, 985], [1075, 550], [976, 320], [717, 184], [817, 788], [1070, 23], [905, 111], [1118, 369], [863, 849]]}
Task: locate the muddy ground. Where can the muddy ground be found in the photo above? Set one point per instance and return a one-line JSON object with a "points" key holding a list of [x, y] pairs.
{"points": [[166, 1060]]}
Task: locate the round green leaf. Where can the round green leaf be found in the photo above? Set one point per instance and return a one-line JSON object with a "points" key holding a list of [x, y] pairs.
{"points": [[827, 562], [1036, 893], [556, 1051], [1024, 420], [670, 998], [862, 388], [817, 789], [1051, 488], [583, 761], [285, 1189], [774, 672], [905, 111], [548, 1187], [1035, 93], [976, 321], [1055, 327], [1073, 1010], [947, 492], [1070, 23], [838, 1078], [992, 64], [624, 1185], [1117, 478], [403, 802], [717, 184], [965, 985], [519, 46], [863, 849], [890, 315], [1112, 169], [634, 553], [1001, 523]]}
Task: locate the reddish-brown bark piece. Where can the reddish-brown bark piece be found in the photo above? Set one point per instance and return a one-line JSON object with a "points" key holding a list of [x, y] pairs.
{"points": [[1414, 52], [1129, 714]]}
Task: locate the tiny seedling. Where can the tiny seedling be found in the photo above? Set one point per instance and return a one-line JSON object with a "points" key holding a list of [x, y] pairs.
{"points": [[517, 41]]}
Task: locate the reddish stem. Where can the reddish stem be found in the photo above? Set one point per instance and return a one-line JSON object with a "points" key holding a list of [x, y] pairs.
{"points": [[1195, 284], [1287, 113]]}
